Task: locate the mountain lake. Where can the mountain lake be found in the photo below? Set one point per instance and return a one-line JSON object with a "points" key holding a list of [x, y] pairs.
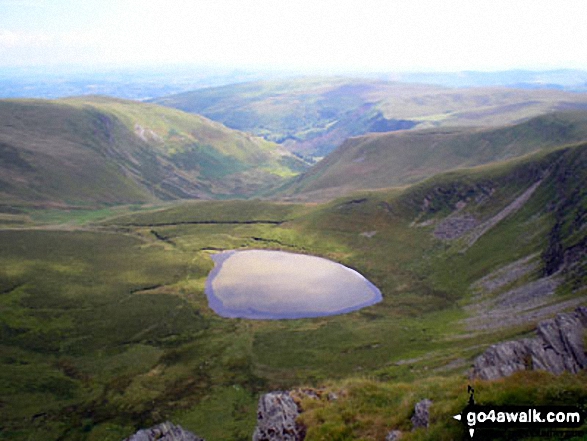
{"points": [[271, 285]]}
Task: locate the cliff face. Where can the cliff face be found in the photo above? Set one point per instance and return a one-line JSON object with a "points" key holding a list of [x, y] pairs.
{"points": [[558, 347]]}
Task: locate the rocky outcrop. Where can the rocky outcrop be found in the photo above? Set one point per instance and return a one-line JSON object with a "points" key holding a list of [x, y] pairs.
{"points": [[503, 276], [421, 417], [277, 413], [558, 347], [455, 226], [164, 432], [510, 296], [394, 435]]}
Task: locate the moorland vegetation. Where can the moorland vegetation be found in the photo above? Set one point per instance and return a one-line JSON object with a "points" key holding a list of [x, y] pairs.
{"points": [[105, 327]]}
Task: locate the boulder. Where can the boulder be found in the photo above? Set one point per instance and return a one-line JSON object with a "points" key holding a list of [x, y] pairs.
{"points": [[164, 432], [558, 347], [394, 435], [276, 418], [421, 417]]}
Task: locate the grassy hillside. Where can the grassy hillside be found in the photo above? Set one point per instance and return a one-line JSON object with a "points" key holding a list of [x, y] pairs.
{"points": [[314, 116], [106, 328], [95, 150], [395, 159]]}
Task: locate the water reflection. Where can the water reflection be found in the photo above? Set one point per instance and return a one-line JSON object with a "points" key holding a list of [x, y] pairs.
{"points": [[260, 284]]}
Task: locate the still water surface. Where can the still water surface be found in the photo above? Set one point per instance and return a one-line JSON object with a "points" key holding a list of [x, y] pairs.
{"points": [[261, 284]]}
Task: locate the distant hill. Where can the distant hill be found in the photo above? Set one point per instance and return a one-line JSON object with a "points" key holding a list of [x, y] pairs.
{"points": [[313, 116], [159, 81], [394, 159], [572, 80], [136, 83], [97, 150]]}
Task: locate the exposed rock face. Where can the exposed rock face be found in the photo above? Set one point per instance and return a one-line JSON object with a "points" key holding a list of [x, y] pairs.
{"points": [[458, 224], [276, 419], [164, 432], [558, 347], [454, 227], [510, 209], [421, 417], [494, 306], [505, 275]]}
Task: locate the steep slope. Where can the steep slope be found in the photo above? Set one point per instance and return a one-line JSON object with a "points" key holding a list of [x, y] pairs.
{"points": [[313, 116], [103, 150], [496, 267], [394, 159]]}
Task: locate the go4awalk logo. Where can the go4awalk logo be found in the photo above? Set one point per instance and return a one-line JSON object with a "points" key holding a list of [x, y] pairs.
{"points": [[542, 419]]}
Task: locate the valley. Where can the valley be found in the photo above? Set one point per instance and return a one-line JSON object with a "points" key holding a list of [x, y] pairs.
{"points": [[471, 224], [115, 152], [313, 116]]}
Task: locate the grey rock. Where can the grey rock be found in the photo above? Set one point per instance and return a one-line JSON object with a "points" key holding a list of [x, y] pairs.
{"points": [[276, 418], [394, 435], [332, 396], [558, 347], [501, 360], [505, 275], [309, 393], [164, 432], [454, 227], [527, 295], [421, 417]]}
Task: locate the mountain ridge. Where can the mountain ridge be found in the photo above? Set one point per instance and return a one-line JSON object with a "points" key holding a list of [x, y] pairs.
{"points": [[104, 150], [376, 161]]}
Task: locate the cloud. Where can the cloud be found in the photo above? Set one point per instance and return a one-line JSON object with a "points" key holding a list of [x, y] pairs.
{"points": [[11, 39]]}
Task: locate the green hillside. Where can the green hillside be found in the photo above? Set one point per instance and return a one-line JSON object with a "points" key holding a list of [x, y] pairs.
{"points": [[314, 116], [105, 328], [95, 150], [394, 159]]}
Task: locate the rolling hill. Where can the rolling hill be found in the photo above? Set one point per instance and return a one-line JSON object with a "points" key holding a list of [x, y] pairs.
{"points": [[97, 150], [394, 159], [313, 116]]}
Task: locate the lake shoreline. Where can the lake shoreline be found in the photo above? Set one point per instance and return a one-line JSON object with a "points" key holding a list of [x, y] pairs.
{"points": [[217, 304]]}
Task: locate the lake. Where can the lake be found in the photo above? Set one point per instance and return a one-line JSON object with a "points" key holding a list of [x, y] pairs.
{"points": [[261, 284]]}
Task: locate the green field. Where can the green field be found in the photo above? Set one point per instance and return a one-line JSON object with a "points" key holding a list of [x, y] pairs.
{"points": [[105, 326]]}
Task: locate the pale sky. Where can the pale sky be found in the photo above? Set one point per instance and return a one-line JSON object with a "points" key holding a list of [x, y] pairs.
{"points": [[327, 35]]}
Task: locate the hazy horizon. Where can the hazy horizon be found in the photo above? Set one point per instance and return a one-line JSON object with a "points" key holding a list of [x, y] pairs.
{"points": [[325, 37]]}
